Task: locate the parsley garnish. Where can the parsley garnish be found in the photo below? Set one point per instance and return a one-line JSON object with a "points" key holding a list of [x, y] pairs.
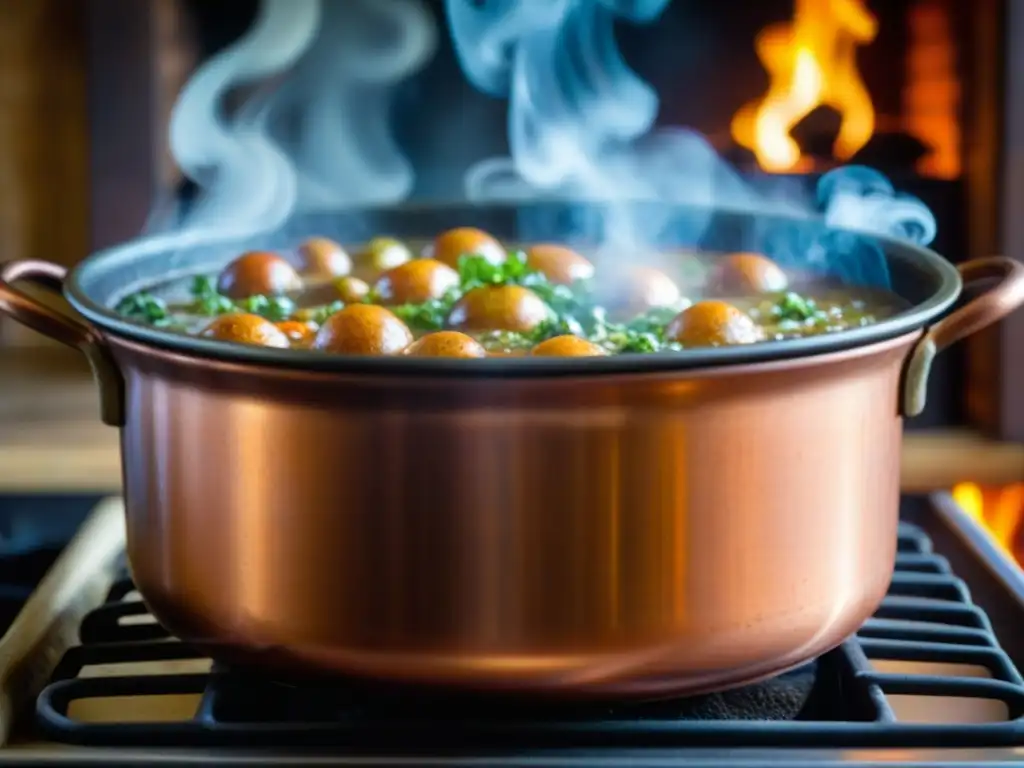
{"points": [[653, 320], [634, 341], [203, 285], [476, 271], [503, 341], [320, 314], [144, 307], [793, 306], [431, 315], [212, 305], [206, 300], [274, 308]]}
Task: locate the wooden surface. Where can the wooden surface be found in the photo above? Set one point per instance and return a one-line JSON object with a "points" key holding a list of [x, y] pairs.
{"points": [[51, 438], [44, 165], [48, 623]]}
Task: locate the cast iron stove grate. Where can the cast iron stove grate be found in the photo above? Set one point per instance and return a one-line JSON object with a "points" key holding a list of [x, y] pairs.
{"points": [[841, 700]]}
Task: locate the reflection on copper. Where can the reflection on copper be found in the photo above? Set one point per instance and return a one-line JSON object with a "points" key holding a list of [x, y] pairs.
{"points": [[617, 535]]}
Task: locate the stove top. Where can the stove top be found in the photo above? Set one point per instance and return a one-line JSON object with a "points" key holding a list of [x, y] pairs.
{"points": [[925, 681]]}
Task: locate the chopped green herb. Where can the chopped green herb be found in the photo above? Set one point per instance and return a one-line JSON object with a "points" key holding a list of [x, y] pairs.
{"points": [[280, 308], [793, 306], [561, 298], [206, 299], [257, 305], [144, 307], [502, 341], [572, 308], [428, 316], [274, 308], [558, 325], [653, 321], [628, 340], [640, 341], [212, 304], [644, 333], [320, 314], [203, 286], [476, 271]]}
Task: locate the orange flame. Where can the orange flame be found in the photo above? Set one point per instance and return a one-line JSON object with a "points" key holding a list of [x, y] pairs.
{"points": [[1000, 510], [811, 61]]}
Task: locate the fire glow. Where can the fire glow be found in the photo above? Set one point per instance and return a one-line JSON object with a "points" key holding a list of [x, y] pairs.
{"points": [[999, 510], [811, 61]]}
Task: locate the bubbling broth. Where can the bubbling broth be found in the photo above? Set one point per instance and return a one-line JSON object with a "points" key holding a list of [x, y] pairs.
{"points": [[465, 294]]}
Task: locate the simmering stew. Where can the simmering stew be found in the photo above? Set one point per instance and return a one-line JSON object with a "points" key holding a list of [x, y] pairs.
{"points": [[465, 295]]}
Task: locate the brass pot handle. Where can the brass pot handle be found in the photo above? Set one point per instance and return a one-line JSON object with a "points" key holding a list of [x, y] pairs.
{"points": [[993, 305], [63, 328]]}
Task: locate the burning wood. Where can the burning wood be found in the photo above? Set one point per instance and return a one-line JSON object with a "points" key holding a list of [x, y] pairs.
{"points": [[811, 62]]}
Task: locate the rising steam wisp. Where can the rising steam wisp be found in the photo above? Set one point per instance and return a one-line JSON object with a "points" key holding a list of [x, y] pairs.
{"points": [[581, 126], [319, 134], [334, 114], [245, 180]]}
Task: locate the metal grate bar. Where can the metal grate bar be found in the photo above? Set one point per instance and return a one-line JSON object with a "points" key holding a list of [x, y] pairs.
{"points": [[993, 659], [918, 631], [927, 616], [909, 561]]}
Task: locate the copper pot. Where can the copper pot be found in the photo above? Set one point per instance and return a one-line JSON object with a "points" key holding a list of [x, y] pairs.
{"points": [[630, 526]]}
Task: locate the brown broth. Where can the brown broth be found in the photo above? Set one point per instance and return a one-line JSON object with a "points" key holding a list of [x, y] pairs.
{"points": [[611, 314]]}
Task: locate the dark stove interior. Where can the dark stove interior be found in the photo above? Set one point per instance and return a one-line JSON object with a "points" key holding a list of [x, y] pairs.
{"points": [[19, 575], [842, 699], [34, 529]]}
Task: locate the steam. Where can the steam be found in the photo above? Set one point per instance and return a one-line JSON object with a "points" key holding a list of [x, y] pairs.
{"points": [[244, 177], [581, 126], [320, 137], [340, 99], [316, 134]]}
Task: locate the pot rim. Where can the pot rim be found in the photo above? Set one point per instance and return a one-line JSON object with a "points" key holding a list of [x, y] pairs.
{"points": [[147, 357], [948, 288]]}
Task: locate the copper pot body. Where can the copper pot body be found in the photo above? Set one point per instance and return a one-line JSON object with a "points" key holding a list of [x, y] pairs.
{"points": [[622, 534], [617, 535]]}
